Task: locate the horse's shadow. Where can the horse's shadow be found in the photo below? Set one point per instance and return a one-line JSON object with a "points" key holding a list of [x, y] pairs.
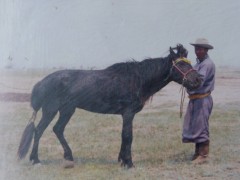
{"points": [[174, 159], [179, 158], [81, 161]]}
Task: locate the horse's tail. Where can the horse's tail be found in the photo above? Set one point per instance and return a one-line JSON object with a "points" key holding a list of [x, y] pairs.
{"points": [[27, 137]]}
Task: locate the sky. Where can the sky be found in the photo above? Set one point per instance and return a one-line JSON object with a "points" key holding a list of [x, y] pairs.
{"points": [[97, 33]]}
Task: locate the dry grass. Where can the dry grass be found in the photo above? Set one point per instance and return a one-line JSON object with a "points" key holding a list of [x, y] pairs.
{"points": [[95, 141]]}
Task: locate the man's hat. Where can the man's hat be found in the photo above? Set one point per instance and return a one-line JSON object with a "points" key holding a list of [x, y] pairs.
{"points": [[202, 42]]}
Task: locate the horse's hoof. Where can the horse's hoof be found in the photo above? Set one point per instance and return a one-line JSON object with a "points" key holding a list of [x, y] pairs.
{"points": [[127, 165], [35, 162], [68, 164], [36, 165], [130, 166]]}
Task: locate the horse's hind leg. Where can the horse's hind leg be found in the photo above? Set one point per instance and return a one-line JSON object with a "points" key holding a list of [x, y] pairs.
{"points": [[47, 117], [65, 115]]}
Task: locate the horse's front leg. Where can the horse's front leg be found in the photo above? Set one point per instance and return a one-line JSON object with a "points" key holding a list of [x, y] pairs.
{"points": [[125, 153]]}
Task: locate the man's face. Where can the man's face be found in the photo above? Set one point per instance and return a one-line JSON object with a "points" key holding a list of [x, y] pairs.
{"points": [[200, 52]]}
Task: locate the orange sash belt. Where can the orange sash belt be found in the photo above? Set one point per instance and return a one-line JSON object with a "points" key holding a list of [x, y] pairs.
{"points": [[198, 96]]}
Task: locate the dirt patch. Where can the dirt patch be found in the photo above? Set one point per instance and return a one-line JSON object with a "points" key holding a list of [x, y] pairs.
{"points": [[15, 97]]}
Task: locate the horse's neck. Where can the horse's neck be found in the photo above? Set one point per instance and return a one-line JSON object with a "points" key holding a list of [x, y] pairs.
{"points": [[157, 77]]}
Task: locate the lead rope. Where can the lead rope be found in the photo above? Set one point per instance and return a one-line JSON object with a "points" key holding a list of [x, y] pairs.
{"points": [[183, 92]]}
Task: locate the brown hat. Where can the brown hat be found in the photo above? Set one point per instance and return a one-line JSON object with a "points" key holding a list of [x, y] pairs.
{"points": [[202, 42]]}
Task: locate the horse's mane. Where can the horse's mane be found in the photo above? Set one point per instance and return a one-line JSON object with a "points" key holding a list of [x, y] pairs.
{"points": [[138, 68], [124, 67]]}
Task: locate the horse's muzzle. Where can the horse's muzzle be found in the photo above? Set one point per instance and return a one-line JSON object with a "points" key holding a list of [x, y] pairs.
{"points": [[192, 84]]}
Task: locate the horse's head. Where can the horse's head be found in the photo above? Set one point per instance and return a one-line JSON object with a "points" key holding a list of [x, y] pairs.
{"points": [[182, 71]]}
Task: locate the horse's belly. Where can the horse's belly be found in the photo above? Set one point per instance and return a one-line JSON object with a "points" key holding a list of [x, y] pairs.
{"points": [[104, 108]]}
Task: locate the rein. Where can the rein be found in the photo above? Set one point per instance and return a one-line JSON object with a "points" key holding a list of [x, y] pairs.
{"points": [[183, 92]]}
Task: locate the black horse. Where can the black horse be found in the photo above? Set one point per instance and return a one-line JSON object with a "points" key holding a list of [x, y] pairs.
{"points": [[122, 88]]}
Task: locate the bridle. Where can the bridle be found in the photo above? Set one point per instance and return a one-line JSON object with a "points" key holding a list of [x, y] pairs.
{"points": [[183, 73], [174, 65]]}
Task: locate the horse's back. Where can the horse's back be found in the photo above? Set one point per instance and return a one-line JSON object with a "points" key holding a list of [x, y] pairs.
{"points": [[100, 91]]}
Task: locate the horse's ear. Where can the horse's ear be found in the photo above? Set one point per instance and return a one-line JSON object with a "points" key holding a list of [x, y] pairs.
{"points": [[179, 46], [173, 55], [185, 53], [182, 52], [172, 51]]}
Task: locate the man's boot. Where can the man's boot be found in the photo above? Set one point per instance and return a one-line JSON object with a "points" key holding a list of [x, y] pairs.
{"points": [[203, 153], [196, 153]]}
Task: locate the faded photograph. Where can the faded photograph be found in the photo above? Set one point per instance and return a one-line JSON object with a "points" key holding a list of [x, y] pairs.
{"points": [[130, 89]]}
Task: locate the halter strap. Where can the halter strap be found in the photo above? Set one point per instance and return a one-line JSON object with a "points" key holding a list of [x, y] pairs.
{"points": [[185, 60]]}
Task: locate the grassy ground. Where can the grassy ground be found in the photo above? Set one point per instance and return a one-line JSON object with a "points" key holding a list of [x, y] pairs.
{"points": [[95, 141]]}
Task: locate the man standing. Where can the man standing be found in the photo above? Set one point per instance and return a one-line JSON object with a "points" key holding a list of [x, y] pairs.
{"points": [[196, 126]]}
